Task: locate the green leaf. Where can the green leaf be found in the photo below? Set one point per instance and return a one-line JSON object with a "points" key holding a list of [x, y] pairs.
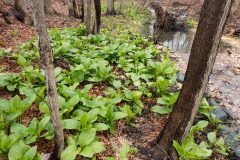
{"points": [[119, 115], [17, 150], [101, 126], [86, 137], [31, 153], [70, 123], [212, 137], [161, 110], [72, 102], [69, 153], [124, 151], [97, 147], [117, 84], [87, 152]]}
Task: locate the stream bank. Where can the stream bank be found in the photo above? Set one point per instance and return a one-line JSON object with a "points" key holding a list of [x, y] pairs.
{"points": [[224, 83]]}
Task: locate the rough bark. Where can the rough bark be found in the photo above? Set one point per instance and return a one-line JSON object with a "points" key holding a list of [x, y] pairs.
{"points": [[110, 8], [20, 11], [88, 18], [97, 23], [82, 10], [48, 8], [76, 9], [48, 67], [203, 54], [70, 7]]}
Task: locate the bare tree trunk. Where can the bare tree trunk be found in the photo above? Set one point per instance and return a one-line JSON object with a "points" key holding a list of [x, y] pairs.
{"points": [[88, 18], [48, 67], [110, 8], [82, 10], [70, 8], [97, 23], [203, 54], [20, 11], [48, 8], [76, 9]]}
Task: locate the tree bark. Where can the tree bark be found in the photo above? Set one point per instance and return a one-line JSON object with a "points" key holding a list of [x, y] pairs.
{"points": [[97, 23], [48, 67], [82, 10], [110, 8], [203, 54], [48, 8], [20, 11], [70, 7], [76, 9], [88, 18]]}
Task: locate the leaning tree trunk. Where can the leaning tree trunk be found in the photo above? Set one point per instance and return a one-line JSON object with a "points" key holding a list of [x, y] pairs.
{"points": [[48, 8], [82, 10], [97, 23], [203, 54], [88, 18], [110, 8], [48, 67], [20, 11]]}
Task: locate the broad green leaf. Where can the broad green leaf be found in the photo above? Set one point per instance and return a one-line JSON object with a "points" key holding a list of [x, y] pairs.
{"points": [[212, 137], [69, 153], [101, 126], [87, 152], [161, 110], [86, 137], [119, 115], [97, 147], [31, 153], [70, 123]]}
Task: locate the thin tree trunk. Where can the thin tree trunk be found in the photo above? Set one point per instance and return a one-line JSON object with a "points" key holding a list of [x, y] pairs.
{"points": [[203, 54], [110, 8], [97, 23], [82, 10], [48, 67], [70, 7], [20, 11], [48, 8], [88, 18], [76, 9]]}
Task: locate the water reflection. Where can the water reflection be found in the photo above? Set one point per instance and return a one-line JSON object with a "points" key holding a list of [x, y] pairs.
{"points": [[177, 41]]}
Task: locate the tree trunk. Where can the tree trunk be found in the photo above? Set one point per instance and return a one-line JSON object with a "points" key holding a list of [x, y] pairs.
{"points": [[110, 8], [48, 8], [97, 23], [82, 10], [76, 9], [48, 67], [70, 8], [203, 54], [20, 11], [88, 18]]}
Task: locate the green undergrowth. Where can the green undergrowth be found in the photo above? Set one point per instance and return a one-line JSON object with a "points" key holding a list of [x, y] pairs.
{"points": [[124, 63]]}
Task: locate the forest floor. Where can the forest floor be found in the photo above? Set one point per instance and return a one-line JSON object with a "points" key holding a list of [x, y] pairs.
{"points": [[147, 127]]}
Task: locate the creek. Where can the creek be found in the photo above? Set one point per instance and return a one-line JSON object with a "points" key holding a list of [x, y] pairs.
{"points": [[224, 82]]}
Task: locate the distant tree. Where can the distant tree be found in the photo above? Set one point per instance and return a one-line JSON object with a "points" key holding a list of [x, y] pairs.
{"points": [[203, 54], [48, 8], [97, 23], [20, 12], [88, 19], [46, 57], [73, 8], [110, 8], [82, 10]]}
